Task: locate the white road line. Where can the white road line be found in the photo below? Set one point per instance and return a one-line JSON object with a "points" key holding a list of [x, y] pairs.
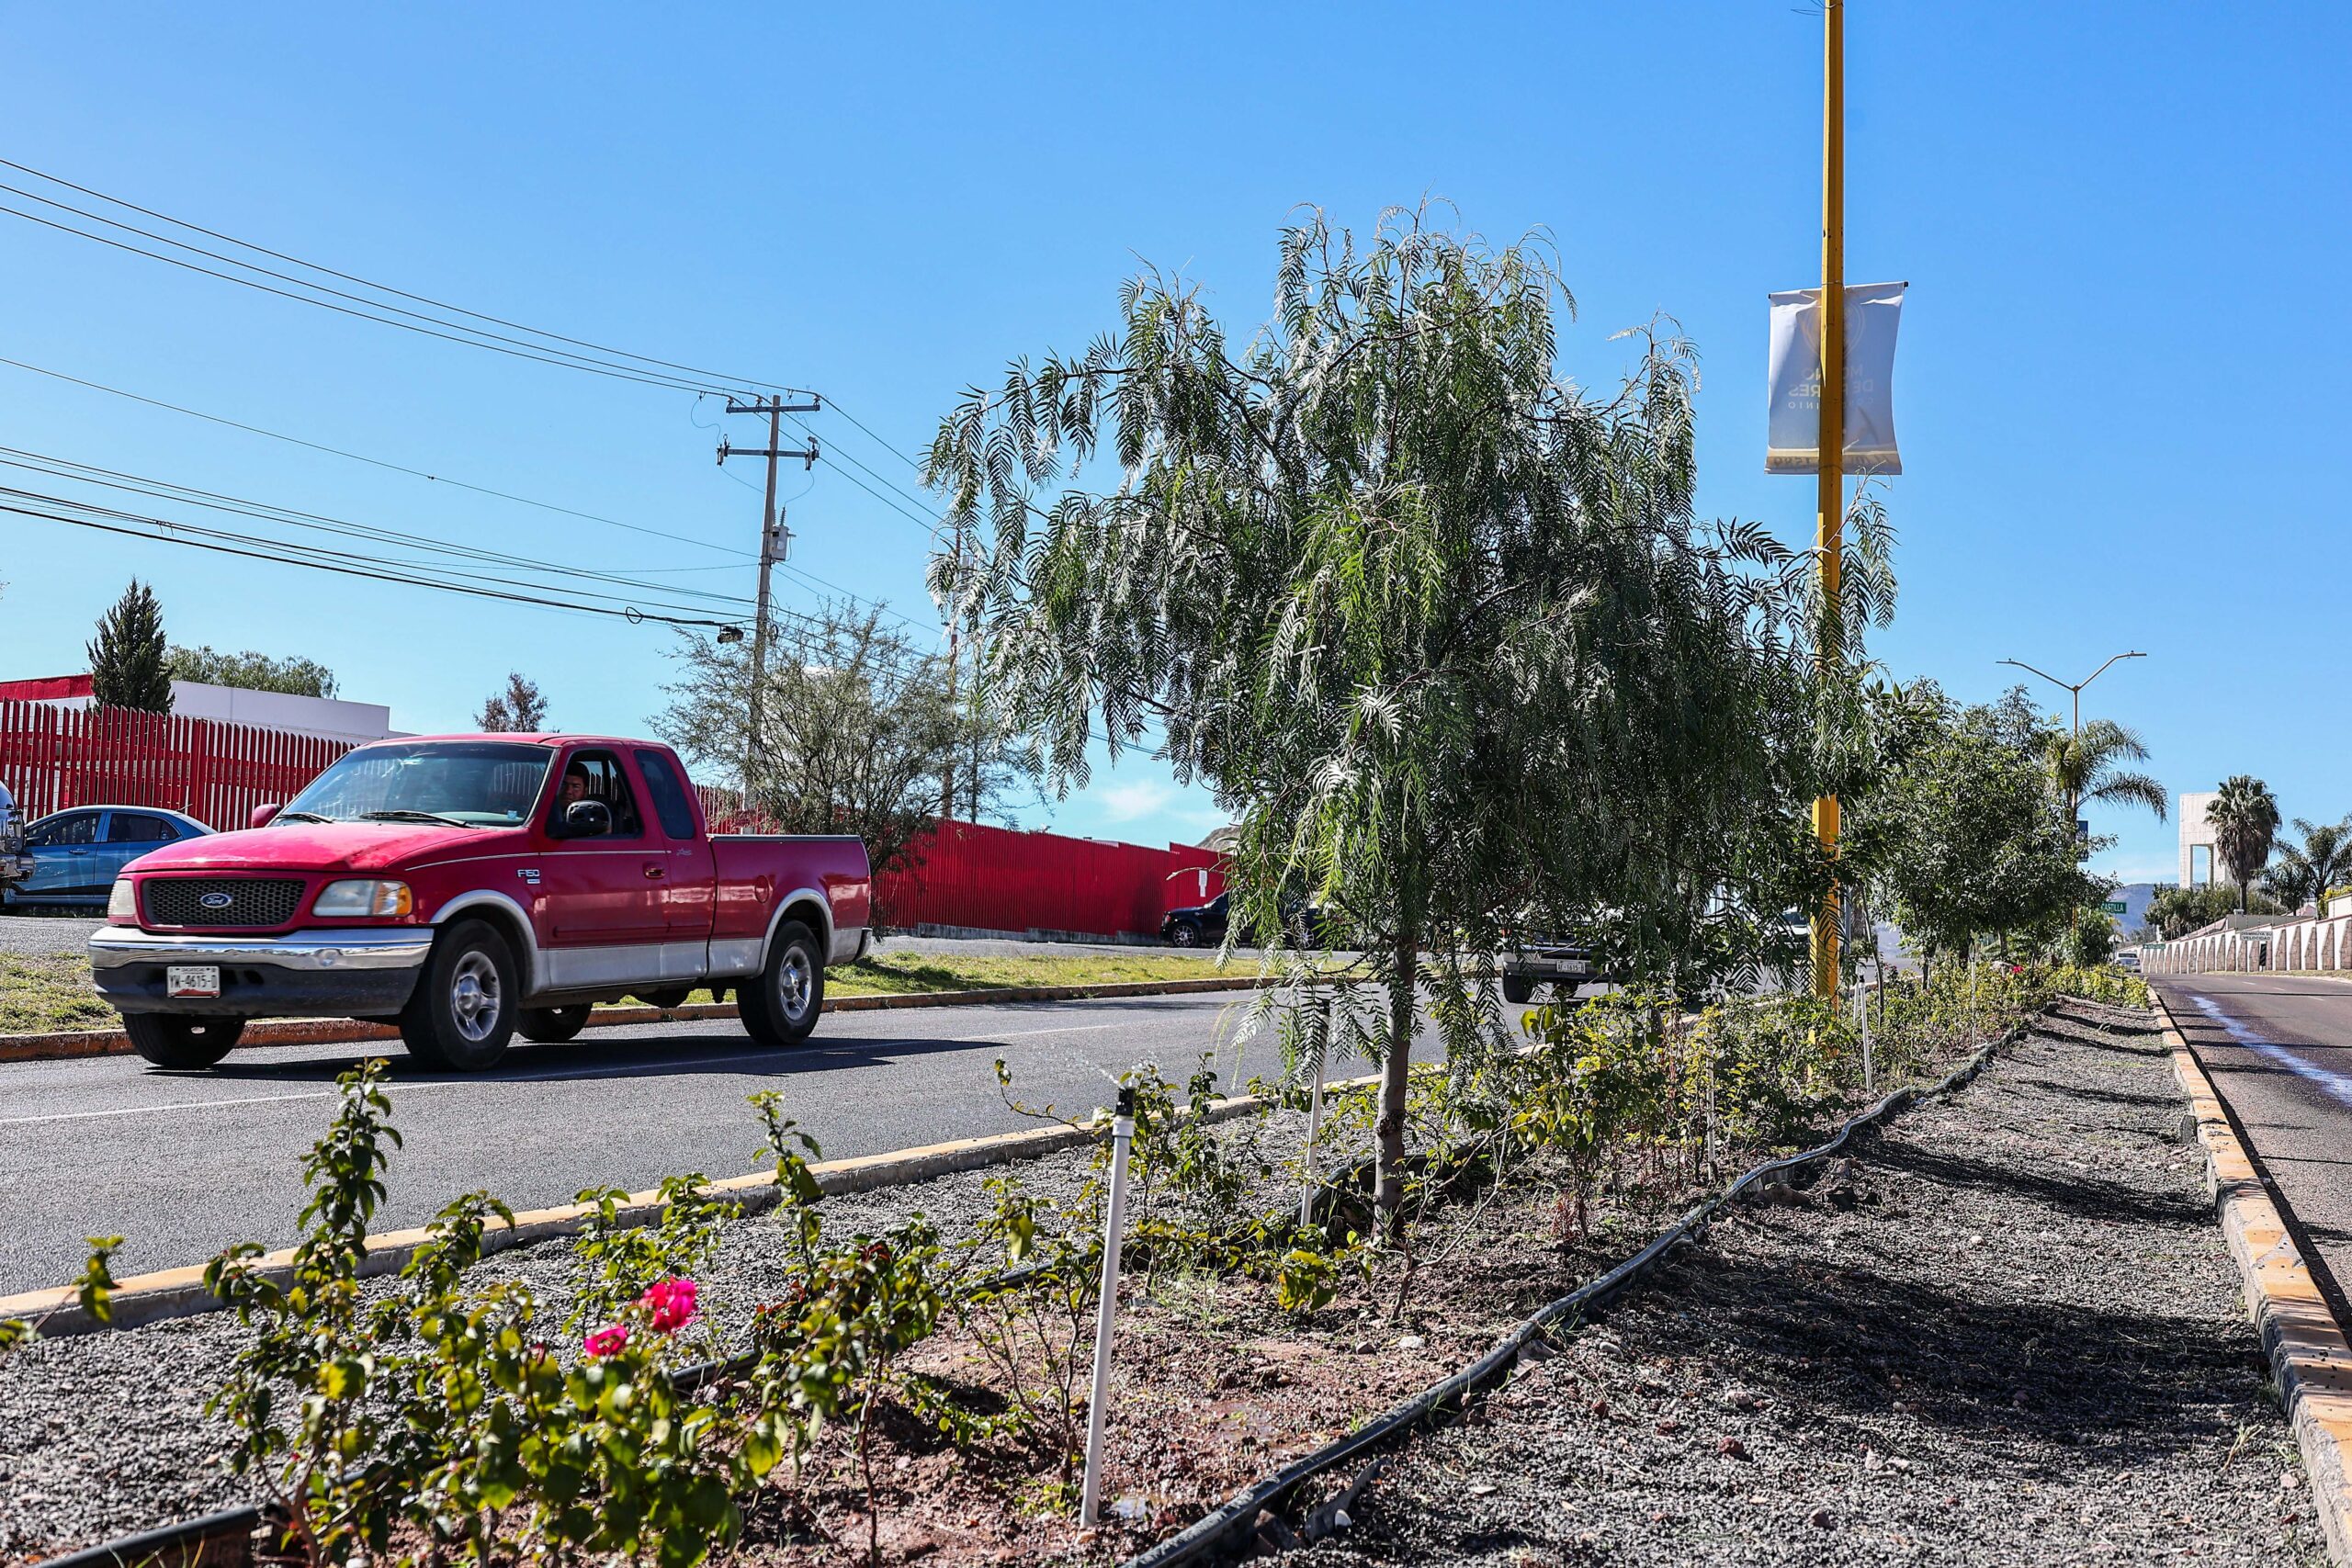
{"points": [[396, 1087], [2336, 1085], [149, 1109]]}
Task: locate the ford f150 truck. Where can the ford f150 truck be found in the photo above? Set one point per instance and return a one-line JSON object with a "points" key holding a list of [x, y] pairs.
{"points": [[470, 886]]}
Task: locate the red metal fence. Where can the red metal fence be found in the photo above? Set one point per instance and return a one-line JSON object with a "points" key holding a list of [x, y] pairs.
{"points": [[52, 758], [973, 876]]}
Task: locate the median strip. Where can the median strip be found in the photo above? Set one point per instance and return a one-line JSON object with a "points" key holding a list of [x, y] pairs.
{"points": [[69, 1044], [2310, 1356], [180, 1292]]}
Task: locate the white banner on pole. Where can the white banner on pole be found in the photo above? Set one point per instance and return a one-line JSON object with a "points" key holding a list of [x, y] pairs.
{"points": [[1793, 435]]}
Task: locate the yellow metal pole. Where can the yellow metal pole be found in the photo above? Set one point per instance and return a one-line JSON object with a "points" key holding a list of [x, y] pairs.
{"points": [[1829, 522]]}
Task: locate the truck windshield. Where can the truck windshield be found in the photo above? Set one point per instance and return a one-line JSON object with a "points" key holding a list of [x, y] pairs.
{"points": [[470, 784]]}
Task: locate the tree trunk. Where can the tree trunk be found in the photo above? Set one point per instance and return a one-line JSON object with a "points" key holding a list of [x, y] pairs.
{"points": [[1395, 1073]]}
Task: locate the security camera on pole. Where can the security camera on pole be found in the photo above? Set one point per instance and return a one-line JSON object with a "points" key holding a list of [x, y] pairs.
{"points": [[1832, 410]]}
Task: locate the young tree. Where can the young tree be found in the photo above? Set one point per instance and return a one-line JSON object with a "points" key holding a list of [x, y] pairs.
{"points": [[2305, 873], [252, 671], [858, 728], [1962, 831], [2246, 823], [127, 656], [1437, 625], [518, 710]]}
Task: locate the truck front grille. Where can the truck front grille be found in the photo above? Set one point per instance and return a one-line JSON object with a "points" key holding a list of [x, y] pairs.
{"points": [[223, 901]]}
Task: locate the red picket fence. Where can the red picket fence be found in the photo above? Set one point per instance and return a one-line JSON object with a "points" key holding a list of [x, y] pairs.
{"points": [[52, 758]]}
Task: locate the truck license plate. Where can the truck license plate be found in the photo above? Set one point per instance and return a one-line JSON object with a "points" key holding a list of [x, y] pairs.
{"points": [[192, 979]]}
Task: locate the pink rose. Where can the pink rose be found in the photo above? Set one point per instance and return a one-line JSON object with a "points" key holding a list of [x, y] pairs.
{"points": [[607, 1340], [669, 1304]]}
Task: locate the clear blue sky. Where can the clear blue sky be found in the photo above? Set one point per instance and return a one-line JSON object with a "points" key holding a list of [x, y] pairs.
{"points": [[2119, 393]]}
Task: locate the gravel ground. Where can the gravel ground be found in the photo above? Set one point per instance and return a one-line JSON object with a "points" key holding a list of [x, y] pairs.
{"points": [[2010, 1333], [103, 1434]]}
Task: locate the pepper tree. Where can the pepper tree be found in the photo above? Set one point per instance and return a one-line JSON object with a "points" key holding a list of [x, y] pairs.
{"points": [[1435, 622]]}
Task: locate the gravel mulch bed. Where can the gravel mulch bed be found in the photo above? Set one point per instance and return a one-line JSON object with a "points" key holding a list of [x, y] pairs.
{"points": [[2010, 1332], [102, 1435]]}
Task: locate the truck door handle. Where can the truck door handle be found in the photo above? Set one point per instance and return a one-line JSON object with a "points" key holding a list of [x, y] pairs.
{"points": [[653, 873]]}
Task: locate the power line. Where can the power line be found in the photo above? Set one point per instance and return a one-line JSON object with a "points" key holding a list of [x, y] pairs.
{"points": [[267, 511], [666, 382], [376, 462], [173, 537], [382, 288]]}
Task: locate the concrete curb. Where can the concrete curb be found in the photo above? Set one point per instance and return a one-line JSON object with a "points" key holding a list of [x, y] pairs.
{"points": [[2309, 1354], [266, 1031], [180, 1292]]}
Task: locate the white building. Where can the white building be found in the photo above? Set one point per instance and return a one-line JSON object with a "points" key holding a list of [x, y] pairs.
{"points": [[2199, 864], [329, 718]]}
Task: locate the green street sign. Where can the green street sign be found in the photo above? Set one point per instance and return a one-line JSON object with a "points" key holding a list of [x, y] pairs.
{"points": [[2113, 905]]}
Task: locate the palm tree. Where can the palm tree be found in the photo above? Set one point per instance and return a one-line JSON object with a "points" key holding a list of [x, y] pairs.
{"points": [[2245, 821], [2324, 860], [2084, 767]]}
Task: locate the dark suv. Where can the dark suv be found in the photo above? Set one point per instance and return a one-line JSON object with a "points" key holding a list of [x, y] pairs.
{"points": [[1203, 925]]}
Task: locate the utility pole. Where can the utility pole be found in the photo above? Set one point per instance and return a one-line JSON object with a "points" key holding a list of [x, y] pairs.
{"points": [[1829, 505], [774, 538]]}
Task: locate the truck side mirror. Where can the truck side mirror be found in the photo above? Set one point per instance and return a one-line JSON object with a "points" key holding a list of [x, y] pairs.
{"points": [[263, 815], [587, 819]]}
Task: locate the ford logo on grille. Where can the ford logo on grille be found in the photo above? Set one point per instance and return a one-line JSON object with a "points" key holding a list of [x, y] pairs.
{"points": [[217, 900]]}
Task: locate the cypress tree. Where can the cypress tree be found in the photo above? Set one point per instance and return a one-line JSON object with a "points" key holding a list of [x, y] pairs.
{"points": [[130, 665]]}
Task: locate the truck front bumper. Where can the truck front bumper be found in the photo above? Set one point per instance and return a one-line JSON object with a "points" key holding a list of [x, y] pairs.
{"points": [[337, 973]]}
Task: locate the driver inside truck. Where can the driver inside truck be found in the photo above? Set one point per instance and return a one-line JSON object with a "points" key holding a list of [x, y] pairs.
{"points": [[577, 786]]}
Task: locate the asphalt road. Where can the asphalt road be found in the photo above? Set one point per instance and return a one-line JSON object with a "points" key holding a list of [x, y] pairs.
{"points": [[2279, 1049], [185, 1163]]}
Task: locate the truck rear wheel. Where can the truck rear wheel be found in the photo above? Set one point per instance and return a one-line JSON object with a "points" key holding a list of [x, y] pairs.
{"points": [[1519, 988], [551, 1026], [781, 1006], [464, 1010], [179, 1042]]}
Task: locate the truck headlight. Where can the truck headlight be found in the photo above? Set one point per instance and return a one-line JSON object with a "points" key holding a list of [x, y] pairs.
{"points": [[122, 903], [363, 898]]}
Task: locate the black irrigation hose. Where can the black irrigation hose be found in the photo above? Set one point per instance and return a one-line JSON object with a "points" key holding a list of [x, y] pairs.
{"points": [[213, 1541], [1219, 1536]]}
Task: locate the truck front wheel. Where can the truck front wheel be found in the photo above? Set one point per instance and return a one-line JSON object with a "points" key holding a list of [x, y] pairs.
{"points": [[179, 1042], [463, 1012], [781, 1006]]}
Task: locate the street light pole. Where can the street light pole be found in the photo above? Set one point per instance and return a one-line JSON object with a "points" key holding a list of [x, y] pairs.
{"points": [[2076, 686], [1830, 504], [2074, 800]]}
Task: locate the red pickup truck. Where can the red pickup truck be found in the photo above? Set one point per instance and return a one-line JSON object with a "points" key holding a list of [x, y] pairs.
{"points": [[468, 886]]}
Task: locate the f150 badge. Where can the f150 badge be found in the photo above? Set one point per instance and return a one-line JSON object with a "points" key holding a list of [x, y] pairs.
{"points": [[529, 873]]}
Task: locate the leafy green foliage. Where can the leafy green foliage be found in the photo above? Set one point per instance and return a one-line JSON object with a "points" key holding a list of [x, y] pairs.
{"points": [[1958, 831], [861, 730], [1439, 624], [518, 709], [2245, 819], [251, 671], [127, 659], [2176, 912], [618, 1259], [2305, 873], [93, 1293]]}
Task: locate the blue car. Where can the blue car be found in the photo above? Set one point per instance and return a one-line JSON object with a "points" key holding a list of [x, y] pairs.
{"points": [[77, 854]]}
